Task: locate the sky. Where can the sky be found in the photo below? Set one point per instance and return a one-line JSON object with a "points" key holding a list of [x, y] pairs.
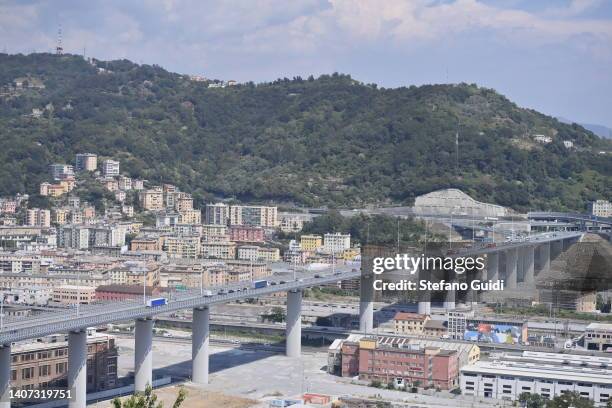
{"points": [[554, 56]]}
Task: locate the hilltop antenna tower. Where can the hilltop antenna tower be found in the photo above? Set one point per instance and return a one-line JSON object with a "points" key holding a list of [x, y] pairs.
{"points": [[59, 50]]}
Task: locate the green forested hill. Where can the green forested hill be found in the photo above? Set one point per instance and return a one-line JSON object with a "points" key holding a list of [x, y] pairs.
{"points": [[326, 141]]}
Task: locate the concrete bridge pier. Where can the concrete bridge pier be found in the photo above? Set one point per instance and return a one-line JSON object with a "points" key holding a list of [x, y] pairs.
{"points": [[143, 354], [529, 266], [199, 345], [424, 307], [511, 268], [77, 369], [493, 266], [544, 257], [5, 376], [556, 247], [449, 300], [293, 340], [366, 303]]}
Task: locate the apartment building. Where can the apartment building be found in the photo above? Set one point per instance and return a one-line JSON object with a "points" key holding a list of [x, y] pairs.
{"points": [[61, 171], [38, 217], [217, 214], [248, 252], [186, 246], [125, 183], [260, 216], [291, 223], [507, 376], [73, 294], [219, 250], [336, 243], [410, 323], [12, 263], [601, 208], [73, 236], [245, 233], [60, 216], [311, 242], [146, 244], [86, 162], [190, 217], [152, 199], [214, 230], [269, 254], [110, 168], [133, 273], [53, 190]]}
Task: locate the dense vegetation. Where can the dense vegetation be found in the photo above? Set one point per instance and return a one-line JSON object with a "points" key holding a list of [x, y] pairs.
{"points": [[378, 229], [326, 141]]}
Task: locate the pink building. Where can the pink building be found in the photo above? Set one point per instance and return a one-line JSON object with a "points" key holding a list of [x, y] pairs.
{"points": [[243, 233], [422, 366]]}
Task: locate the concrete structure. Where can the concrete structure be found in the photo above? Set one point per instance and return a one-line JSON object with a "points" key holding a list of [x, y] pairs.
{"points": [[86, 162], [456, 202], [546, 374], [200, 345], [143, 355], [366, 303], [294, 323], [511, 268], [77, 369], [110, 168]]}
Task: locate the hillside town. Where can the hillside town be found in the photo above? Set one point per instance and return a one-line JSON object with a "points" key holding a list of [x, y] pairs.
{"points": [[140, 241]]}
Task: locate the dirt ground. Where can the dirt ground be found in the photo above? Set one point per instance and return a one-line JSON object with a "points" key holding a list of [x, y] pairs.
{"points": [[197, 398]]}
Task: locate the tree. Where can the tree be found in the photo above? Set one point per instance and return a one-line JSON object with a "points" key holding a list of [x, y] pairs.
{"points": [[529, 400], [570, 399], [148, 399], [276, 315]]}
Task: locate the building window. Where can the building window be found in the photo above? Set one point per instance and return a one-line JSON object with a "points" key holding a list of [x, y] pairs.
{"points": [[27, 373], [44, 370]]}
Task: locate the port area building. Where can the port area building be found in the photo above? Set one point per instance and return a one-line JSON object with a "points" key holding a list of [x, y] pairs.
{"points": [[507, 376]]}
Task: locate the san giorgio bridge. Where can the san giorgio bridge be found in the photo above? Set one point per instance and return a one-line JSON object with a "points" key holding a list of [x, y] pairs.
{"points": [[76, 321]]}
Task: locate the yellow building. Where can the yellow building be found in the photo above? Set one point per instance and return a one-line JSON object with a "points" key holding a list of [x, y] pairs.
{"points": [[152, 199], [60, 216], [350, 254], [190, 217], [311, 242], [410, 323]]}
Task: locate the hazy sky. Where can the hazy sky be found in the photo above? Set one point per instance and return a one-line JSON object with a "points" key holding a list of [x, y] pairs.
{"points": [[554, 56]]}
